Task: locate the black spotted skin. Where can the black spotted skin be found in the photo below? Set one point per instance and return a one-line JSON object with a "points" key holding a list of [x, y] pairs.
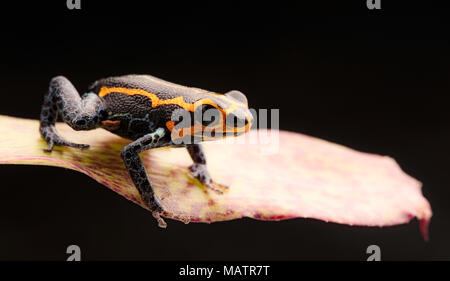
{"points": [[134, 113], [133, 117]]}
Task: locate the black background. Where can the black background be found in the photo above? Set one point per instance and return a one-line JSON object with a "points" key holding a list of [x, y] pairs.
{"points": [[376, 81]]}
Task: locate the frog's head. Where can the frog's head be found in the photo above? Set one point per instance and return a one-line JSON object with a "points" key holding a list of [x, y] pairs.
{"points": [[229, 115], [217, 116]]}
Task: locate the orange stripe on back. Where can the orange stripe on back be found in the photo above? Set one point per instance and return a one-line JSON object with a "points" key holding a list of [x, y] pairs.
{"points": [[156, 101]]}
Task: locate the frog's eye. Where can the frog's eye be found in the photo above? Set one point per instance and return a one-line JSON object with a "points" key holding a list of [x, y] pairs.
{"points": [[207, 114], [238, 96]]}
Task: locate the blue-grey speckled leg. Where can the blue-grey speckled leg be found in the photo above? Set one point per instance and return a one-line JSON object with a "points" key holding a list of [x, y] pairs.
{"points": [[79, 113], [133, 163], [199, 169]]}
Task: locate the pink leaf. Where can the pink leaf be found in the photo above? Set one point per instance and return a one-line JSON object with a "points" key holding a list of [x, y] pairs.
{"points": [[307, 177]]}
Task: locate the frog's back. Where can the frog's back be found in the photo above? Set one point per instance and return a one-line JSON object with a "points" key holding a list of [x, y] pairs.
{"points": [[149, 85], [142, 103]]}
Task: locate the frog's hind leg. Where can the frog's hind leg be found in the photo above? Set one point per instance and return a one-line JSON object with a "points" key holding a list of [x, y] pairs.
{"points": [[199, 169], [79, 113]]}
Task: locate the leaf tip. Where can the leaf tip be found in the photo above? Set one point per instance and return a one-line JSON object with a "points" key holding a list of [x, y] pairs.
{"points": [[423, 225]]}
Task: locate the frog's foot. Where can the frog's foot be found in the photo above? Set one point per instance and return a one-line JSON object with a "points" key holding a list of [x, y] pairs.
{"points": [[52, 138], [154, 205], [200, 172], [159, 219], [159, 212]]}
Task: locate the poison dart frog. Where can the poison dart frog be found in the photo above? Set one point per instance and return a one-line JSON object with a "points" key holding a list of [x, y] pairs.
{"points": [[150, 112]]}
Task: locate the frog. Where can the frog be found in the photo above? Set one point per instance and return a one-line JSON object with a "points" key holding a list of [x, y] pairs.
{"points": [[151, 113]]}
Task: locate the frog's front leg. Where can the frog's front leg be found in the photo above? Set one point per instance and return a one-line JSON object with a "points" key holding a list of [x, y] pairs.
{"points": [[79, 113], [199, 169], [138, 174]]}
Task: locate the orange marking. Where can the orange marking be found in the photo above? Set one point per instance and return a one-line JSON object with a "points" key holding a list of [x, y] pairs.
{"points": [[156, 101], [111, 125], [170, 125]]}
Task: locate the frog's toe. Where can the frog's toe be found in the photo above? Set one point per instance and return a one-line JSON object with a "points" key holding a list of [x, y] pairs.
{"points": [[157, 216], [50, 147], [217, 187], [53, 139], [200, 172], [61, 142], [77, 145]]}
